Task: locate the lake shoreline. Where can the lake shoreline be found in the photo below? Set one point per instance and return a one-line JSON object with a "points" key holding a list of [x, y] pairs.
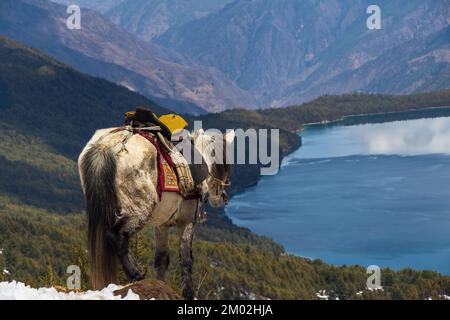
{"points": [[324, 122], [406, 117], [293, 149]]}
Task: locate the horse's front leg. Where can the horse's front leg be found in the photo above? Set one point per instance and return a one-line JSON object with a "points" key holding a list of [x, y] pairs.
{"points": [[162, 258], [187, 260]]}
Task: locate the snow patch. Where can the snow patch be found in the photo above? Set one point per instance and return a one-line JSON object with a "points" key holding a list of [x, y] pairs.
{"points": [[442, 297], [19, 291], [376, 289], [322, 294]]}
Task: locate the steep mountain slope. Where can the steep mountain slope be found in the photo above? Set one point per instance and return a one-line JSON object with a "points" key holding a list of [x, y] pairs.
{"points": [[103, 49], [44, 98], [149, 19], [290, 51], [420, 65]]}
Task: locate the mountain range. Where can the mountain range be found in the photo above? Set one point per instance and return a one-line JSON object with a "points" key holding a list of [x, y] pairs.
{"points": [[149, 19], [289, 51], [208, 56], [105, 50]]}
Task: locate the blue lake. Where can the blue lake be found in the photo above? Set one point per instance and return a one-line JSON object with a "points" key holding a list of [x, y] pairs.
{"points": [[368, 194]]}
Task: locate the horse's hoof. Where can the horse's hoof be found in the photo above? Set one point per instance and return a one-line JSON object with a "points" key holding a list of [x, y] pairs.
{"points": [[188, 295]]}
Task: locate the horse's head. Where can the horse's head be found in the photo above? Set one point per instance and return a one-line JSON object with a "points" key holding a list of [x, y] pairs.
{"points": [[213, 148]]}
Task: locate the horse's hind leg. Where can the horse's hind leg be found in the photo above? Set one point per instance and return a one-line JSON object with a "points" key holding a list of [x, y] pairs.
{"points": [[119, 239], [162, 258], [187, 260]]}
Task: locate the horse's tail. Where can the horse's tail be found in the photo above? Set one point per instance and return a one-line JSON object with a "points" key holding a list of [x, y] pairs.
{"points": [[98, 170]]}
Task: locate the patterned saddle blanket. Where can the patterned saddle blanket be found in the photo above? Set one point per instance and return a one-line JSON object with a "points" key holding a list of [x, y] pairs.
{"points": [[172, 177]]}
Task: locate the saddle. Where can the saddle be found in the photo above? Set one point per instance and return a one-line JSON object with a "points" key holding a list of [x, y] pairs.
{"points": [[146, 118], [173, 167]]}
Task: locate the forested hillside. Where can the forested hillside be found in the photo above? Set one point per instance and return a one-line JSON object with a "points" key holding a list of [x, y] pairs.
{"points": [[38, 246], [50, 100], [328, 108]]}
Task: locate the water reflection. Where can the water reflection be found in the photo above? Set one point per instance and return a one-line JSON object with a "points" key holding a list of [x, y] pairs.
{"points": [[412, 137], [424, 136]]}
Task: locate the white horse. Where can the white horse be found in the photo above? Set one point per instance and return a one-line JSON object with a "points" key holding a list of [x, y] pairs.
{"points": [[119, 177]]}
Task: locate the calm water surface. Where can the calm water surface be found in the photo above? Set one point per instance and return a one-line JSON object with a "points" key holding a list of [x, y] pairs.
{"points": [[360, 194]]}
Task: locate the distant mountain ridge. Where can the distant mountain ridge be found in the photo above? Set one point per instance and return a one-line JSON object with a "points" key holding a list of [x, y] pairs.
{"points": [[151, 18], [103, 49], [287, 51]]}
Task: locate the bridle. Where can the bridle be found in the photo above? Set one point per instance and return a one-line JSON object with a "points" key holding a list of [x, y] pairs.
{"points": [[219, 187], [220, 182]]}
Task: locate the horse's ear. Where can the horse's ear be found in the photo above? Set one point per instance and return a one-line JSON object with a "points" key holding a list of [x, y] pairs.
{"points": [[229, 136]]}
